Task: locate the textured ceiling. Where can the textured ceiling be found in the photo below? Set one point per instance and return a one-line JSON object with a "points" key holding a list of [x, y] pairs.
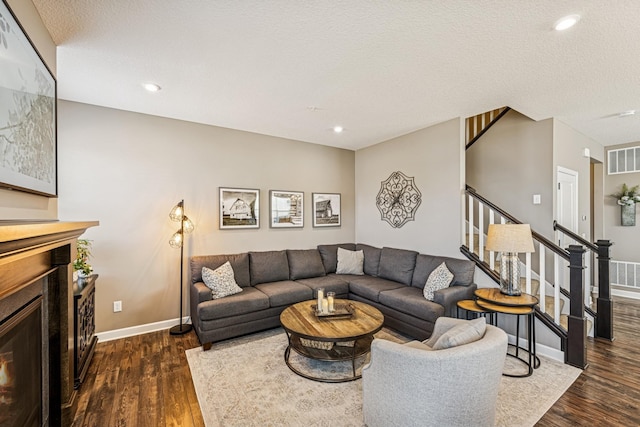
{"points": [[381, 69]]}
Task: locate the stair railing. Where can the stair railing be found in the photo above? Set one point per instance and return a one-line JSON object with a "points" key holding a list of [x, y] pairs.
{"points": [[604, 305], [573, 339], [477, 126]]}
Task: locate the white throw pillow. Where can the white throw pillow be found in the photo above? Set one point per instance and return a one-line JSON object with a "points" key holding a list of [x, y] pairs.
{"points": [[439, 278], [350, 262], [464, 333], [221, 281]]}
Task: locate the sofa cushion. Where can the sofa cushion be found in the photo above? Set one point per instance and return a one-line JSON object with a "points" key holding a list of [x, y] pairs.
{"points": [[269, 266], [397, 265], [329, 255], [220, 281], [465, 333], [439, 278], [285, 292], [371, 258], [409, 300], [239, 263], [330, 283], [247, 301], [350, 262], [463, 270], [304, 263], [370, 287]]}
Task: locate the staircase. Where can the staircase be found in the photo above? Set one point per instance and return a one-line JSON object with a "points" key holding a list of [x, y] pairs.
{"points": [[562, 304], [477, 125], [549, 300]]}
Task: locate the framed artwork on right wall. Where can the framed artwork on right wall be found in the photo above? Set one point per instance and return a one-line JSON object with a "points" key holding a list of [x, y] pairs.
{"points": [[326, 210]]}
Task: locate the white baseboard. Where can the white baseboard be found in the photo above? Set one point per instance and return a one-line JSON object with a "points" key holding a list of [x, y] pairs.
{"points": [[541, 349], [139, 330], [625, 294]]}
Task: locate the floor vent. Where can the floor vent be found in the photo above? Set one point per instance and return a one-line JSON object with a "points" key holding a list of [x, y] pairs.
{"points": [[625, 273]]}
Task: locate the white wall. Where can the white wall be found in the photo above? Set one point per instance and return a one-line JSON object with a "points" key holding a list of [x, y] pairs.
{"points": [[16, 204], [433, 157], [128, 170]]}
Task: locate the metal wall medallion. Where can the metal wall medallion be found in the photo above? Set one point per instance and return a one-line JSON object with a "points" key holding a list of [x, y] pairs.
{"points": [[398, 199]]}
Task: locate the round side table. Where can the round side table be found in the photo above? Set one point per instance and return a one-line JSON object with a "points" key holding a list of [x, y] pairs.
{"points": [[471, 307], [522, 305]]}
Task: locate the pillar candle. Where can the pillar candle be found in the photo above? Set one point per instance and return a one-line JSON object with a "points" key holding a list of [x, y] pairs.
{"points": [[325, 305]]}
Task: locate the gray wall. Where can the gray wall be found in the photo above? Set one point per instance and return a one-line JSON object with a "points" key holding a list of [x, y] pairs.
{"points": [[128, 170], [568, 152], [15, 204], [626, 246], [512, 162], [433, 156]]}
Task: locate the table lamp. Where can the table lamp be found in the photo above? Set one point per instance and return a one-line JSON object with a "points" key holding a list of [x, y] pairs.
{"points": [[510, 239]]}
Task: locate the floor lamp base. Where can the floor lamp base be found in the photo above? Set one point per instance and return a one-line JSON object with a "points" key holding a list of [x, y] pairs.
{"points": [[180, 329]]}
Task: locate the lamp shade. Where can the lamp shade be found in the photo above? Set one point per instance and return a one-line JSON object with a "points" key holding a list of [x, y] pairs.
{"points": [[176, 240], [187, 225], [514, 238], [177, 212]]}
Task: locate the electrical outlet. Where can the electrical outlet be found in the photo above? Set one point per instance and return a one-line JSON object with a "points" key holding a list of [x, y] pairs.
{"points": [[117, 306]]}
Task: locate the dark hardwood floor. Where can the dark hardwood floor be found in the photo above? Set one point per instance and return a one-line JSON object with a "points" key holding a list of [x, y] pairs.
{"points": [[145, 381], [607, 393]]}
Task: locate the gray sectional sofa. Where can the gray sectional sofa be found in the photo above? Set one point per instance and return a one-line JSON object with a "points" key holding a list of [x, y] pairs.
{"points": [[393, 282]]}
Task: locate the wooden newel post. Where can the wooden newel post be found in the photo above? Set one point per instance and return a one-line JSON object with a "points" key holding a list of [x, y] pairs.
{"points": [[604, 322], [577, 325]]}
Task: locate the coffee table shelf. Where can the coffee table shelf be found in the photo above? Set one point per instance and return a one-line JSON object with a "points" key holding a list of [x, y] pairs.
{"points": [[338, 339]]}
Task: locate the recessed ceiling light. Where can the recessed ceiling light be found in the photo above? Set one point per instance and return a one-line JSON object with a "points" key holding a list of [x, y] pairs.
{"points": [[151, 87], [338, 129], [566, 22], [627, 113]]}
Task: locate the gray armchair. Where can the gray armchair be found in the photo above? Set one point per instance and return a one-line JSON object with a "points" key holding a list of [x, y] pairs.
{"points": [[413, 385]]}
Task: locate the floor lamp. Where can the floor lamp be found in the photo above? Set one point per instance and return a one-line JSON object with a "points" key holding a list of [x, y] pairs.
{"points": [[177, 241]]}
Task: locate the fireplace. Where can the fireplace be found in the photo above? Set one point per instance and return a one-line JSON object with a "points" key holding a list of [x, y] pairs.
{"points": [[21, 367], [36, 322]]}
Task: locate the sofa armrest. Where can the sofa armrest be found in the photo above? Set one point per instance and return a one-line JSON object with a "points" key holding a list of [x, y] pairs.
{"points": [[200, 292], [448, 297]]}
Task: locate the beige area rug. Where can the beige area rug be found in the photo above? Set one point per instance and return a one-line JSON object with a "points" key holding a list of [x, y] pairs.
{"points": [[245, 382]]}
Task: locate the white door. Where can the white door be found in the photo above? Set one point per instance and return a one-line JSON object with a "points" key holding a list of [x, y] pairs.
{"points": [[567, 214]]}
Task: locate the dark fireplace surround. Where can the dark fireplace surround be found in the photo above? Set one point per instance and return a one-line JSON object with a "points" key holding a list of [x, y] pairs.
{"points": [[36, 322]]}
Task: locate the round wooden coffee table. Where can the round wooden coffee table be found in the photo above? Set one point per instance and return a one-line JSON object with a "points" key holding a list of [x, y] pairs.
{"points": [[330, 338]]}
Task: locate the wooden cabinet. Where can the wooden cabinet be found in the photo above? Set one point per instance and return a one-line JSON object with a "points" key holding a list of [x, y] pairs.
{"points": [[85, 341]]}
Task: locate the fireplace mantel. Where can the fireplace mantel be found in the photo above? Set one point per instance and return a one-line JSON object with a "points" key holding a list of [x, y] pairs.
{"points": [[30, 251]]}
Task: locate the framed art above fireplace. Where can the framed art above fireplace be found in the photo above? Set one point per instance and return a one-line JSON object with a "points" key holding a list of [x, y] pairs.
{"points": [[27, 113]]}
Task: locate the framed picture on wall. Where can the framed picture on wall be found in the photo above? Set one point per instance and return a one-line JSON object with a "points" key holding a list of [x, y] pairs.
{"points": [[286, 209], [239, 208], [27, 113], [326, 210]]}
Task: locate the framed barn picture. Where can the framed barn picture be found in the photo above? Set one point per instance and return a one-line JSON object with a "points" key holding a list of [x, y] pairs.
{"points": [[326, 210], [286, 209], [27, 113], [239, 208]]}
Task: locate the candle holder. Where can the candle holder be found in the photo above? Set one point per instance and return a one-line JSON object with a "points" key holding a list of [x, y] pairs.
{"points": [[330, 300], [319, 298]]}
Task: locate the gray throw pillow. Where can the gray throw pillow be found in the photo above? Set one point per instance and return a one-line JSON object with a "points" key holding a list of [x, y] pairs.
{"points": [[439, 278], [464, 333], [221, 281], [350, 262]]}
